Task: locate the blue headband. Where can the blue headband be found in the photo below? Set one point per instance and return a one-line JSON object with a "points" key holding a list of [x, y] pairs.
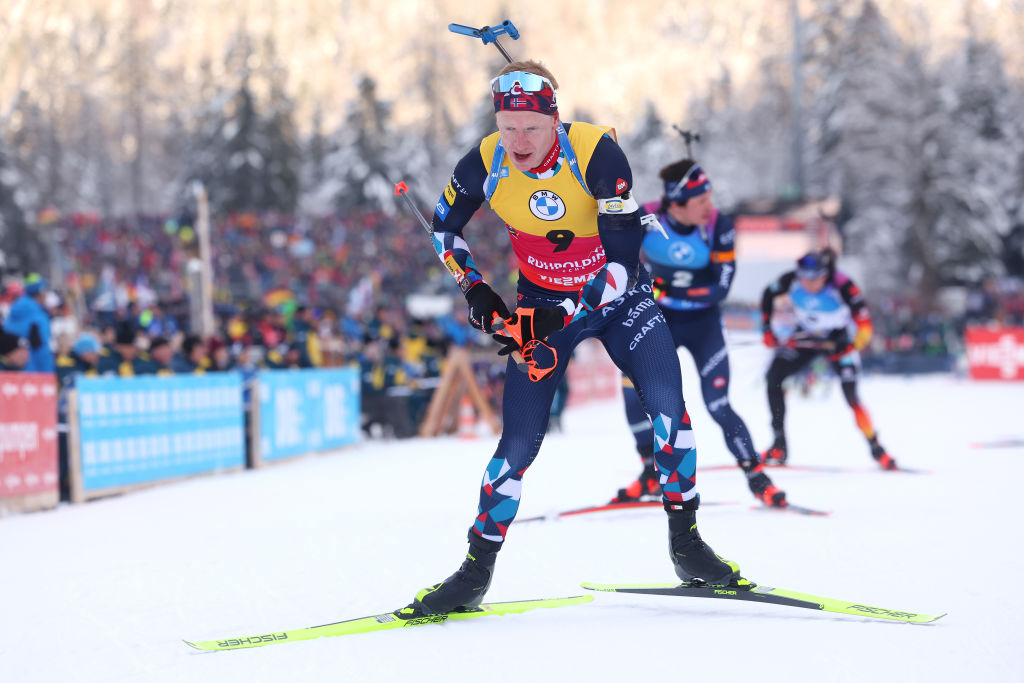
{"points": [[693, 184]]}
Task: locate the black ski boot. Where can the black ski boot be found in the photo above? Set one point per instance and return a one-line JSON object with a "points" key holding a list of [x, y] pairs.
{"points": [[776, 455], [646, 486], [884, 460], [693, 559], [463, 590], [761, 486]]}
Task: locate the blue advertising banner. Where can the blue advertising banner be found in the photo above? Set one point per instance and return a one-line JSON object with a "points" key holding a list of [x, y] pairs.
{"points": [[136, 430], [307, 410]]}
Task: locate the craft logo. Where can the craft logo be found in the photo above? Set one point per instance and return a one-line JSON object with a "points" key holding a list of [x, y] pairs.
{"points": [[547, 205], [620, 186], [457, 185], [648, 326]]}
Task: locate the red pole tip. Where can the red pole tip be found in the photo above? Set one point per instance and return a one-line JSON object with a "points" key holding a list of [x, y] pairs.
{"points": [[401, 188]]}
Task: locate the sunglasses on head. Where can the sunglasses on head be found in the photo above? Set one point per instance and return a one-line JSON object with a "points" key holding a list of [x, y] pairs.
{"points": [[528, 82], [807, 274]]}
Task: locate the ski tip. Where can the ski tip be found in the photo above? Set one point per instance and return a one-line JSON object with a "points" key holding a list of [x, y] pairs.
{"points": [[597, 587], [192, 645], [933, 618]]}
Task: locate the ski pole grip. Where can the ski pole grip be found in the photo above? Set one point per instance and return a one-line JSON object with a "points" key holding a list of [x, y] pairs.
{"points": [[497, 324], [488, 34], [464, 30]]}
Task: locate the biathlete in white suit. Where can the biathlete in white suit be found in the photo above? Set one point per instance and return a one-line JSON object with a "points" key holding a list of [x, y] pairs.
{"points": [[828, 307]]}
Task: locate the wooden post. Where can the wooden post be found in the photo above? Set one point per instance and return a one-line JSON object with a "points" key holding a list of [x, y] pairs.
{"points": [[75, 450], [255, 454], [456, 380]]}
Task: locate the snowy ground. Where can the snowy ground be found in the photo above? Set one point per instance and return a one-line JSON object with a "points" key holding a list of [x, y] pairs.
{"points": [[106, 591]]}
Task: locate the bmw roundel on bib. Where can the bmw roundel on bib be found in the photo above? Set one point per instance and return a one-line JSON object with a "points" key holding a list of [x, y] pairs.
{"points": [[547, 205], [681, 253]]}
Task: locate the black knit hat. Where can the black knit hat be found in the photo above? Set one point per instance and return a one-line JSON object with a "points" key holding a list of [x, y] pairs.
{"points": [[125, 333]]}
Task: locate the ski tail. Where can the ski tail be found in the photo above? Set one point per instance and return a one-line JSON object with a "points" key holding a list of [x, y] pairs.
{"points": [[609, 507], [767, 594], [794, 509], [382, 622]]}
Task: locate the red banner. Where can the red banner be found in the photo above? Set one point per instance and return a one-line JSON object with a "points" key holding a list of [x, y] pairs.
{"points": [[28, 433], [995, 353]]}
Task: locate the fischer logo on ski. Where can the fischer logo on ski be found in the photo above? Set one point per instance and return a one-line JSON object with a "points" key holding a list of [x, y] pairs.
{"points": [[385, 622]]}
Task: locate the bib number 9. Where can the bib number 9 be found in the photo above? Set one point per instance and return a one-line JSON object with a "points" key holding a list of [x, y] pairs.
{"points": [[561, 239]]}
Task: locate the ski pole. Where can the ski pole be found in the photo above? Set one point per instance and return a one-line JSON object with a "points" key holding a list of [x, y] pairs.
{"points": [[497, 324], [489, 34]]}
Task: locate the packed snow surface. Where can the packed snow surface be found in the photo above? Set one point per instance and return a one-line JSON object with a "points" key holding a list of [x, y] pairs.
{"points": [[106, 591]]}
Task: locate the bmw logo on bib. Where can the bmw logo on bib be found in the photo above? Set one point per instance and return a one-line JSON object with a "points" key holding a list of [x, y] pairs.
{"points": [[681, 252], [547, 206]]}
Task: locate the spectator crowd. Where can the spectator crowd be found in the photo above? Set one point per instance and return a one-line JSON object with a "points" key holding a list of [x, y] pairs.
{"points": [[297, 292]]}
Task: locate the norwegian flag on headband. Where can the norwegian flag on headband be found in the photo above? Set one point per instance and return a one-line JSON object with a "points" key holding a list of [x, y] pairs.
{"points": [[542, 102]]}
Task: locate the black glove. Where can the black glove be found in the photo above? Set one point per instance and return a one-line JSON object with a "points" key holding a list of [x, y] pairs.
{"points": [[841, 343], [527, 324], [840, 338], [484, 302], [508, 344]]}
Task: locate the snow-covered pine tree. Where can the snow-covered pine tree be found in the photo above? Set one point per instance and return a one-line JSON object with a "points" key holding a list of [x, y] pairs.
{"points": [[873, 118]]}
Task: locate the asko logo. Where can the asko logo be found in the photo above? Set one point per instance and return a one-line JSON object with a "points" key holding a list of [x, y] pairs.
{"points": [[995, 354]]}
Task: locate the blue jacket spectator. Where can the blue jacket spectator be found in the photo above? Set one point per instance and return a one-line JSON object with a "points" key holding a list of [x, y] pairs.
{"points": [[28, 319]]}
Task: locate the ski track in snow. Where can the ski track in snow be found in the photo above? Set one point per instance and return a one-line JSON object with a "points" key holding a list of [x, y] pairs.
{"points": [[106, 591]]}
